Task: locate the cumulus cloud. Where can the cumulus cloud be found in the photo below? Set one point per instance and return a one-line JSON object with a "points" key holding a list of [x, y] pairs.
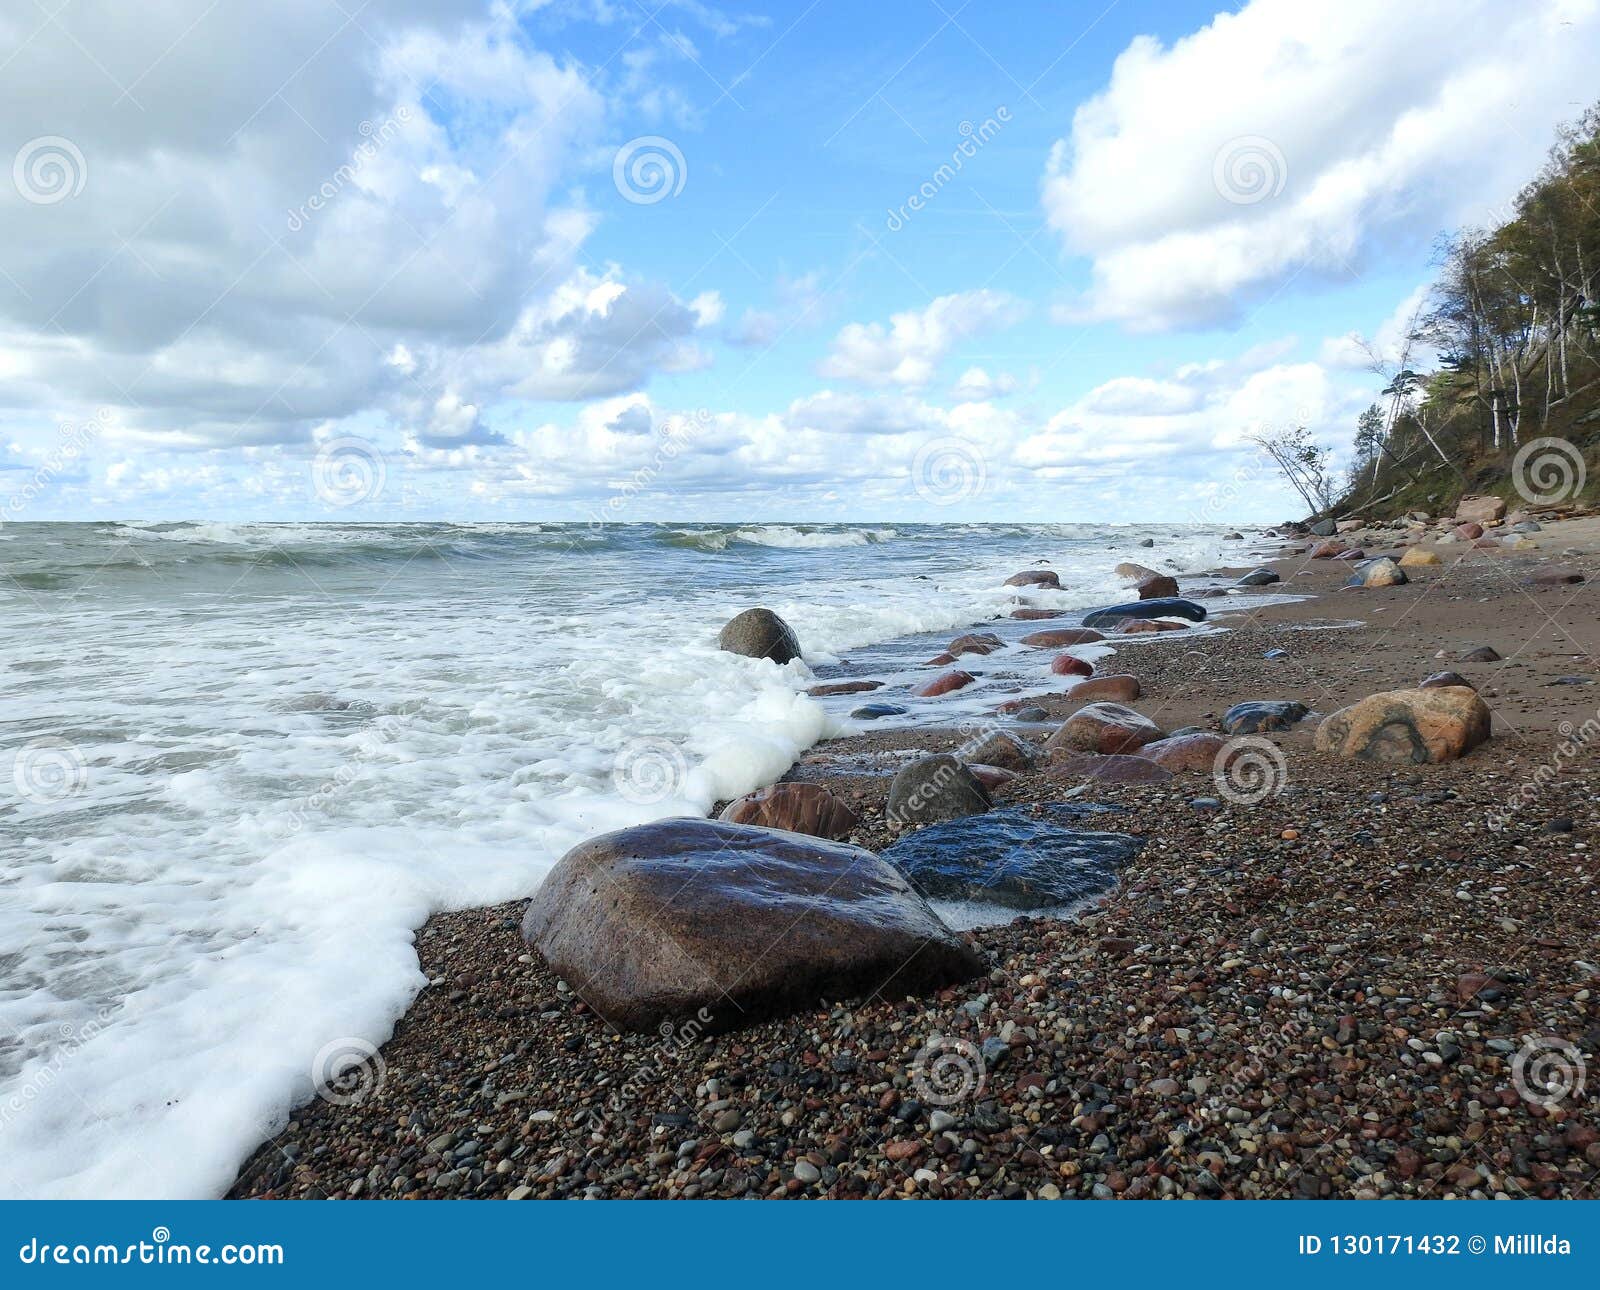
{"points": [[977, 385], [288, 218], [1287, 136], [907, 352]]}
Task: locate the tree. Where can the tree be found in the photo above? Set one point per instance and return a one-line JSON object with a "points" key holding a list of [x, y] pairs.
{"points": [[1303, 462]]}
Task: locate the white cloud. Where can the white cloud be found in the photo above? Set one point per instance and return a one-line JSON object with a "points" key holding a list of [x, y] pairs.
{"points": [[909, 350], [977, 385], [1285, 136]]}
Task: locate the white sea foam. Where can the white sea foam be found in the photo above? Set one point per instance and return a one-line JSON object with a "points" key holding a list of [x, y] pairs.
{"points": [[278, 787]]}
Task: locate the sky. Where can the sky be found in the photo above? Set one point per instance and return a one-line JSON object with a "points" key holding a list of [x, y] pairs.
{"points": [[672, 259]]}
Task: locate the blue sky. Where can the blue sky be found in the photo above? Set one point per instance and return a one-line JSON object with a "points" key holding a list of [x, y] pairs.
{"points": [[391, 262]]}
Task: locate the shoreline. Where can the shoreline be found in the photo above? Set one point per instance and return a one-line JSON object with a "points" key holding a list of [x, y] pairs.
{"points": [[1198, 1032]]}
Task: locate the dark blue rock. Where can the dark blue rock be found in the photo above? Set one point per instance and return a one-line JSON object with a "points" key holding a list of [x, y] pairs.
{"points": [[872, 711], [1276, 653], [1013, 858], [1257, 578], [1161, 607], [1263, 714]]}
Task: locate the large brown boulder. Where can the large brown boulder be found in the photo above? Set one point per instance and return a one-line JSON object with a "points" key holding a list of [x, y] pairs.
{"points": [[1140, 626], [1480, 510], [1034, 578], [1423, 725], [1329, 549], [1119, 687], [944, 683], [1470, 531], [1103, 728], [1185, 752], [1061, 637], [1111, 769], [933, 788], [798, 808], [843, 687], [1135, 572], [1026, 614], [727, 924], [759, 633], [1157, 586]]}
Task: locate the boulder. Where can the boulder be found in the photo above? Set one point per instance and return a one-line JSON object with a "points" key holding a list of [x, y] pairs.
{"points": [[872, 711], [1480, 654], [1323, 528], [1034, 614], [1185, 752], [1145, 542], [1440, 679], [1480, 510], [1355, 553], [727, 924], [1432, 725], [1527, 526], [1034, 578], [1114, 768], [843, 687], [1141, 626], [1002, 750], [797, 808], [1415, 557], [1061, 637], [1118, 687], [1024, 710], [1326, 550], [974, 643], [1164, 607], [1134, 572], [1261, 715], [933, 788], [1348, 526], [940, 660], [1467, 532], [1553, 576], [1258, 578], [1157, 587], [1013, 858], [759, 633], [1103, 727], [1067, 665], [1380, 573], [1233, 537], [944, 683]]}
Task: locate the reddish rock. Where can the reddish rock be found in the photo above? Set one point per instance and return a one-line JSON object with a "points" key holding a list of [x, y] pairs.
{"points": [[1186, 752], [1103, 728], [940, 660], [1000, 749], [1031, 615], [1138, 626], [944, 683], [1067, 665], [1158, 587], [1034, 578], [1356, 554], [1134, 572], [1468, 532], [1327, 549], [843, 687], [991, 777], [1480, 510], [1061, 637], [1118, 687], [1108, 769], [799, 808]]}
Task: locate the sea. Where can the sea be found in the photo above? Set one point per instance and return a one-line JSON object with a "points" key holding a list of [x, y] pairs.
{"points": [[240, 764]]}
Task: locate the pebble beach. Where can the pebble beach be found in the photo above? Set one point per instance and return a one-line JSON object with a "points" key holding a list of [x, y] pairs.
{"points": [[1370, 980]]}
